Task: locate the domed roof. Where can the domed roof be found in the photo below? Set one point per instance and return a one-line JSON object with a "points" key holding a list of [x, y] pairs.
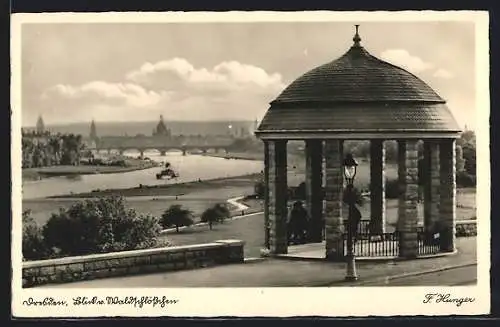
{"points": [[358, 93], [358, 76]]}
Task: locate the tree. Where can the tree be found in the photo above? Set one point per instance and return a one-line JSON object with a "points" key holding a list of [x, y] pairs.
{"points": [[460, 162], [209, 216], [98, 226], [222, 211], [176, 216], [215, 214], [33, 243]]}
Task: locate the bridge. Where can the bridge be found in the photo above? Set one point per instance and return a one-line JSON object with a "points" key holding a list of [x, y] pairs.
{"points": [[163, 144]]}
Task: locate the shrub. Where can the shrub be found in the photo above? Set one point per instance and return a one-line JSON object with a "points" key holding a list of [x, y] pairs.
{"points": [[99, 226], [33, 244], [259, 189], [176, 216], [464, 179], [466, 229]]}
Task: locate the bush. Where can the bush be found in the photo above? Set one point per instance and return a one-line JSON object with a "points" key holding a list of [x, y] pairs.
{"points": [[33, 244], [259, 189], [176, 216], [392, 189], [99, 226], [466, 229], [464, 179]]}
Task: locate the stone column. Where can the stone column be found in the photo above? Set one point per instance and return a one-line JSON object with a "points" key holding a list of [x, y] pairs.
{"points": [[432, 185], [448, 189], [314, 191], [267, 225], [276, 197], [333, 199], [377, 186], [408, 198]]}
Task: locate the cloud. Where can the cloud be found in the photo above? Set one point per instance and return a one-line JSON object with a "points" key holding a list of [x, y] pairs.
{"points": [[173, 87], [179, 76], [404, 59], [443, 73], [99, 92]]}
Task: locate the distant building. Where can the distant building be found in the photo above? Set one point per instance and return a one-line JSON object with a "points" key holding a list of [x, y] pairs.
{"points": [[161, 128], [93, 131], [40, 126]]}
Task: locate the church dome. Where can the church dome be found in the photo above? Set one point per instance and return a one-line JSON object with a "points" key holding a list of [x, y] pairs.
{"points": [[358, 92]]}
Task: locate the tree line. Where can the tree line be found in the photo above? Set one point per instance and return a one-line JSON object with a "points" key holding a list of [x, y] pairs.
{"points": [[42, 150]]}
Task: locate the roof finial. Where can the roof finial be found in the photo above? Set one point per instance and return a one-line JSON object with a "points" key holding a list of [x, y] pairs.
{"points": [[356, 37]]}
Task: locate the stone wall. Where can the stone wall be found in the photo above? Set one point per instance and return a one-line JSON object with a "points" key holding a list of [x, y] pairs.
{"points": [[94, 266]]}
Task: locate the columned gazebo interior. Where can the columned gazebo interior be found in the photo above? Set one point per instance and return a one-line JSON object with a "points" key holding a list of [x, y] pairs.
{"points": [[359, 97]]}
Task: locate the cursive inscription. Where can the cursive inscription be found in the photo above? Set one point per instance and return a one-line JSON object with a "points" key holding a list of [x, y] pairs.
{"points": [[447, 298], [48, 301], [134, 301]]}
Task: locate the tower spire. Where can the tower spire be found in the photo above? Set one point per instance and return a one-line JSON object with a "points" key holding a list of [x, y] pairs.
{"points": [[40, 125], [356, 38], [93, 130]]}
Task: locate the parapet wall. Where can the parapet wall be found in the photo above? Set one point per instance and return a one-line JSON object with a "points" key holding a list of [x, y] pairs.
{"points": [[71, 269]]}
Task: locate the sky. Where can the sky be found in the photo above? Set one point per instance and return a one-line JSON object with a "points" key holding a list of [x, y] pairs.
{"points": [[219, 71]]}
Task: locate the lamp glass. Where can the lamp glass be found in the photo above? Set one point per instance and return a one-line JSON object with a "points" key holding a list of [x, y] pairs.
{"points": [[350, 172]]}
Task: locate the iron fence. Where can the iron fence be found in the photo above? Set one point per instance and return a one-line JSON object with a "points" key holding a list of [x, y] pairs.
{"points": [[380, 245], [428, 243]]}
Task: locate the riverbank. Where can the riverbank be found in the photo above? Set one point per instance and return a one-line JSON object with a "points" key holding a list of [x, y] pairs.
{"points": [[178, 189], [238, 155], [196, 197], [33, 174]]}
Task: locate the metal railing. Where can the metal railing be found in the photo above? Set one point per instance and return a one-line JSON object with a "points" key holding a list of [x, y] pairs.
{"points": [[380, 245], [428, 243]]}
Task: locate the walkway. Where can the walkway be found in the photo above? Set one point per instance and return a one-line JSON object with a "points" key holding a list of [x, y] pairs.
{"points": [[283, 272]]}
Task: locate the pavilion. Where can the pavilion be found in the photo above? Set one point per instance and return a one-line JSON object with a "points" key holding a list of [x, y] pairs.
{"points": [[360, 97]]}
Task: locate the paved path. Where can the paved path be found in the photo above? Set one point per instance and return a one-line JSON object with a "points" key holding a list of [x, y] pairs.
{"points": [[283, 272], [463, 275]]}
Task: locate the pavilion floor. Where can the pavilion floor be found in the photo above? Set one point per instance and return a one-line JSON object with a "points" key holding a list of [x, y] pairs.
{"points": [[363, 249]]}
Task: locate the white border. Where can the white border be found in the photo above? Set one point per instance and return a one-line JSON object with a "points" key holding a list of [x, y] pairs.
{"points": [[268, 301]]}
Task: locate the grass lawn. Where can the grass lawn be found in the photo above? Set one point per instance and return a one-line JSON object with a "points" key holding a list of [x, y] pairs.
{"points": [[249, 229]]}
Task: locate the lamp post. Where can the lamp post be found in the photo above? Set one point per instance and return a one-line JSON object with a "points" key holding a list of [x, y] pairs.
{"points": [[350, 166]]}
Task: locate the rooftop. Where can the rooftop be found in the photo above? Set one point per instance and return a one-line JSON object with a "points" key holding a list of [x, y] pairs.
{"points": [[358, 92]]}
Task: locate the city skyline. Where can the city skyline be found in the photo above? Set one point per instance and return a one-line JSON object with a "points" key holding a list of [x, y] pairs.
{"points": [[136, 72]]}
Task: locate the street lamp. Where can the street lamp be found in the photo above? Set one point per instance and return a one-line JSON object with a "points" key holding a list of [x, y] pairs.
{"points": [[350, 166]]}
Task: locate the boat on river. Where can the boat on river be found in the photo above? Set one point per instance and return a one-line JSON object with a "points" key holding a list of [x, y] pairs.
{"points": [[168, 172]]}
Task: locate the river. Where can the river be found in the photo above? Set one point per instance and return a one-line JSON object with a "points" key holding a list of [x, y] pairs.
{"points": [[190, 168]]}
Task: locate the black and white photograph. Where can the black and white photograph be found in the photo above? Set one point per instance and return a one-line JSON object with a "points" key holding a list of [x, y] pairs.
{"points": [[256, 158]]}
